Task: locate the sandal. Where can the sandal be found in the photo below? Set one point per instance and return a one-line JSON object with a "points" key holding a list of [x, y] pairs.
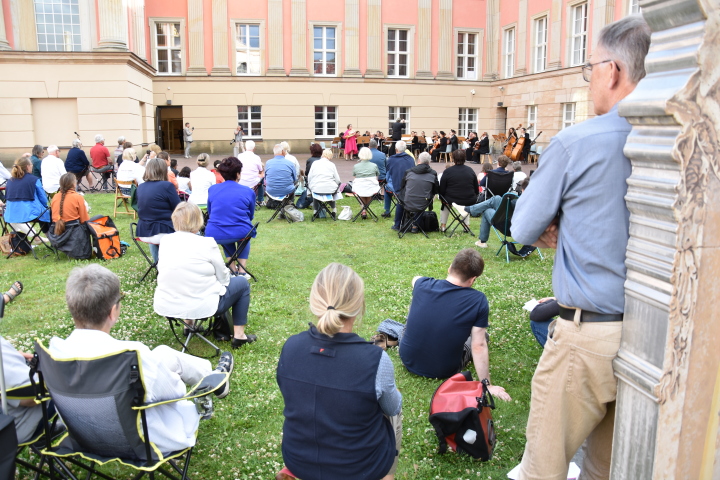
{"points": [[383, 341], [15, 290]]}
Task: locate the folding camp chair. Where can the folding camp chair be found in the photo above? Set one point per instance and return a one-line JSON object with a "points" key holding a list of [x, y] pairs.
{"points": [[409, 218], [366, 206], [497, 183], [501, 224], [148, 258], [102, 182], [241, 245], [122, 198], [456, 221], [199, 327], [102, 403], [281, 203], [323, 200], [393, 200], [34, 231]]}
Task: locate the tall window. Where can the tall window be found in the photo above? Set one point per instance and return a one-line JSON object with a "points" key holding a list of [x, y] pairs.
{"points": [[540, 50], [568, 115], [634, 6], [324, 50], [467, 121], [509, 52], [325, 122], [398, 112], [531, 120], [169, 46], [250, 119], [397, 53], [467, 56], [58, 25], [579, 34], [247, 49]]}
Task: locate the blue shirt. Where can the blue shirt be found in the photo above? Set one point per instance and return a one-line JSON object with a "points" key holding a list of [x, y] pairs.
{"points": [[582, 180], [76, 160], [280, 177], [397, 165], [378, 158], [231, 208], [156, 201], [28, 210]]}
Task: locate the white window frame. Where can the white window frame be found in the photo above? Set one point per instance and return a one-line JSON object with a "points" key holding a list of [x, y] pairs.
{"points": [[233, 41], [46, 21], [509, 52], [532, 116], [462, 55], [247, 124], [578, 33], [634, 7], [153, 21], [338, 42], [568, 112], [410, 52], [540, 43], [394, 113], [467, 121], [324, 120]]}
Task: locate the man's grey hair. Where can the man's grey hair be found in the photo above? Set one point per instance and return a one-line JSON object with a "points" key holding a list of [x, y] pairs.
{"points": [[52, 149], [121, 140], [372, 144], [90, 293], [278, 149], [250, 145], [627, 41], [285, 146], [76, 143], [400, 146], [517, 166], [99, 138], [424, 157]]}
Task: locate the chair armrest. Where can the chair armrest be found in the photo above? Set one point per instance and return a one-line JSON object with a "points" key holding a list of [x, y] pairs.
{"points": [[24, 392], [209, 384]]}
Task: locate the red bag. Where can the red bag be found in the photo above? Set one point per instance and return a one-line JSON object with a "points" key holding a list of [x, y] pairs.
{"points": [[461, 413]]}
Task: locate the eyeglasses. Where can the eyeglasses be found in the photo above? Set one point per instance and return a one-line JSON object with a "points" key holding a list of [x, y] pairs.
{"points": [[587, 68], [122, 296]]}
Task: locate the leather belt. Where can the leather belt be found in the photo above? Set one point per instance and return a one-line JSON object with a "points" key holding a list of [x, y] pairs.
{"points": [[587, 316]]}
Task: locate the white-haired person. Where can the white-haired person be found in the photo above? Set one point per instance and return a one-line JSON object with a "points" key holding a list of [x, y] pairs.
{"points": [[76, 162], [52, 168], [280, 174], [129, 171], [201, 179], [102, 162], [193, 281], [366, 175], [286, 153], [119, 149], [324, 179], [252, 170], [342, 408]]}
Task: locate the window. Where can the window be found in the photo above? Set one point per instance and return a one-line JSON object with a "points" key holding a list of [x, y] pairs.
{"points": [[58, 25], [324, 50], [531, 119], [467, 56], [250, 119], [509, 52], [398, 112], [467, 121], [325, 122], [247, 49], [579, 34], [540, 51], [634, 7], [397, 53], [568, 115], [168, 47]]}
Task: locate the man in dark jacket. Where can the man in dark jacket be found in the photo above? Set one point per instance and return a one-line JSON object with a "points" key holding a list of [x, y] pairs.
{"points": [[419, 186], [396, 130], [397, 165]]}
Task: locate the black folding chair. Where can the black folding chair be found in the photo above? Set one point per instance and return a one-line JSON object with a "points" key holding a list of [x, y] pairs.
{"points": [[497, 183], [199, 327], [366, 206], [281, 204], [393, 199], [241, 245], [323, 200], [501, 224], [456, 221], [148, 258], [410, 218], [26, 240], [102, 182]]}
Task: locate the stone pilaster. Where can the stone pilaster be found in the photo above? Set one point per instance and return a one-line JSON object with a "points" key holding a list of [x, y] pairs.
{"points": [[196, 40], [423, 52], [275, 38], [220, 26], [298, 15], [4, 44], [603, 11], [554, 38], [492, 55], [112, 15], [375, 48], [137, 14], [522, 35], [446, 52], [352, 38]]}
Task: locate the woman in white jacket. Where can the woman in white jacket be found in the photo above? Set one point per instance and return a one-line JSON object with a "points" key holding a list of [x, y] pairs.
{"points": [[324, 178]]}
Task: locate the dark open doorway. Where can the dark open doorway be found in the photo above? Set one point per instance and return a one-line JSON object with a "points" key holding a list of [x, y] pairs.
{"points": [[168, 127]]}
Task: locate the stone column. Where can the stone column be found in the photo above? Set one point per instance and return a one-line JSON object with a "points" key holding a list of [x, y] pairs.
{"points": [[555, 25], [352, 39], [196, 40], [492, 55], [668, 367], [446, 52], [522, 35], [275, 38], [4, 44], [375, 47], [423, 52], [113, 25], [220, 27], [603, 13], [137, 13], [299, 38]]}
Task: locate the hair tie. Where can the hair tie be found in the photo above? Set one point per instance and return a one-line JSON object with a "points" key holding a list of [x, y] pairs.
{"points": [[330, 307]]}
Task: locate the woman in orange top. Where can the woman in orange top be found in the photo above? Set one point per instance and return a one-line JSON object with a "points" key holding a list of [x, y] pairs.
{"points": [[68, 232]]}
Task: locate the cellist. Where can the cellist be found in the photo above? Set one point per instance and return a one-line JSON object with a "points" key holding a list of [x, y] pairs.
{"points": [[512, 138], [526, 146]]}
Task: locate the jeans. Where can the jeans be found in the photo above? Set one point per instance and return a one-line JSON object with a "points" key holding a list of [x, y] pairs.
{"points": [[230, 246], [154, 251], [260, 194], [388, 202], [398, 215], [487, 210], [237, 296], [540, 330]]}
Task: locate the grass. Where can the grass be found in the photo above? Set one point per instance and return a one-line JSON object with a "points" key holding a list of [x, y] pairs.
{"points": [[243, 440]]}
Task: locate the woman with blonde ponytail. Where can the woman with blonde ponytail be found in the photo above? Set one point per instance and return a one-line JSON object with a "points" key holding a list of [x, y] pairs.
{"points": [[68, 232], [342, 409]]}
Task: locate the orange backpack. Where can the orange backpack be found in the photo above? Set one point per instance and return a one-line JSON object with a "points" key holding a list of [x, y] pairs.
{"points": [[105, 237]]}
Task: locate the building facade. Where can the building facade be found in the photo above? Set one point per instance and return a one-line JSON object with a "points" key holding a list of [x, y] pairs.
{"points": [[296, 70]]}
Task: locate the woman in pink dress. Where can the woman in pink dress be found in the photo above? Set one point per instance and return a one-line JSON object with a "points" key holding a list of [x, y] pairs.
{"points": [[351, 149]]}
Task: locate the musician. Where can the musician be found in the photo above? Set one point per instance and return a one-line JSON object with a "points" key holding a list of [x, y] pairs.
{"points": [[440, 146], [422, 142], [471, 140], [526, 146], [396, 131], [482, 147], [415, 142], [453, 141]]}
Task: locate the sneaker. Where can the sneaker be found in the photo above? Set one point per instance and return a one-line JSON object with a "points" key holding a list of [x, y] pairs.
{"points": [[415, 229], [461, 210], [204, 407], [226, 363], [481, 244], [395, 227]]}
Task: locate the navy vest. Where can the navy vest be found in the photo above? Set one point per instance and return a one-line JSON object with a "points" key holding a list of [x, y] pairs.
{"points": [[334, 427], [21, 189]]}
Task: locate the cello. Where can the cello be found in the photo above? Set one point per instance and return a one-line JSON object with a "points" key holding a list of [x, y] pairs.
{"points": [[509, 144], [517, 150]]}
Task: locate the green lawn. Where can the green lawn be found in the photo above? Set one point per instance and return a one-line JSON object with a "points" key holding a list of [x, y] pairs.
{"points": [[243, 440]]}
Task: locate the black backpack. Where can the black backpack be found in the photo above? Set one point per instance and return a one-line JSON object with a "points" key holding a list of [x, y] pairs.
{"points": [[428, 222]]}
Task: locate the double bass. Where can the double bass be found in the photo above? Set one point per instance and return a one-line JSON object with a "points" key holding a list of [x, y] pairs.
{"points": [[509, 144], [517, 150]]}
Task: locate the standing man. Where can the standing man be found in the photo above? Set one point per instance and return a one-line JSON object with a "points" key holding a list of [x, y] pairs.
{"points": [[101, 160], [187, 138], [576, 204], [239, 145], [397, 165]]}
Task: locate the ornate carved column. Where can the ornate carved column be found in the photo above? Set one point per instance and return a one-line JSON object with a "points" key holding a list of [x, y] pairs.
{"points": [[275, 38], [446, 53], [520, 57], [555, 25], [299, 38], [375, 46], [668, 367], [423, 52], [137, 13], [196, 39], [352, 38], [220, 28], [4, 44], [492, 53], [113, 25]]}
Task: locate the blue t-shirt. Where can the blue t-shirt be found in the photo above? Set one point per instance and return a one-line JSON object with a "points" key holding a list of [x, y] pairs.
{"points": [[439, 323]]}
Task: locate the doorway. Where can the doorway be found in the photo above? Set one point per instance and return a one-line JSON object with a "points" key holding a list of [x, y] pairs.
{"points": [[169, 128]]}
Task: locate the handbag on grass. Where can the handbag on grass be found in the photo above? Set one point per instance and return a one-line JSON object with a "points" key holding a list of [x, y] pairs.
{"points": [[346, 213]]}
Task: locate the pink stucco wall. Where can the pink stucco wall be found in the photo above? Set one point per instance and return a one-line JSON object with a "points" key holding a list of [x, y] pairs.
{"points": [[5, 5], [165, 8]]}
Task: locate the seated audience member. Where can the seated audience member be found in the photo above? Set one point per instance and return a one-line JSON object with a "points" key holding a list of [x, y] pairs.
{"points": [[324, 179], [173, 166], [156, 201], [38, 152], [201, 179], [541, 316], [231, 209], [69, 214], [101, 160], [280, 175], [252, 170], [149, 155], [380, 160], [76, 162], [52, 169], [129, 171], [93, 297], [329, 366], [291, 158], [486, 167], [366, 175], [171, 176], [25, 197], [518, 176], [419, 185], [218, 177], [486, 210], [119, 149], [193, 281], [457, 185], [183, 178], [447, 322], [119, 158], [397, 165], [503, 161], [315, 153]]}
